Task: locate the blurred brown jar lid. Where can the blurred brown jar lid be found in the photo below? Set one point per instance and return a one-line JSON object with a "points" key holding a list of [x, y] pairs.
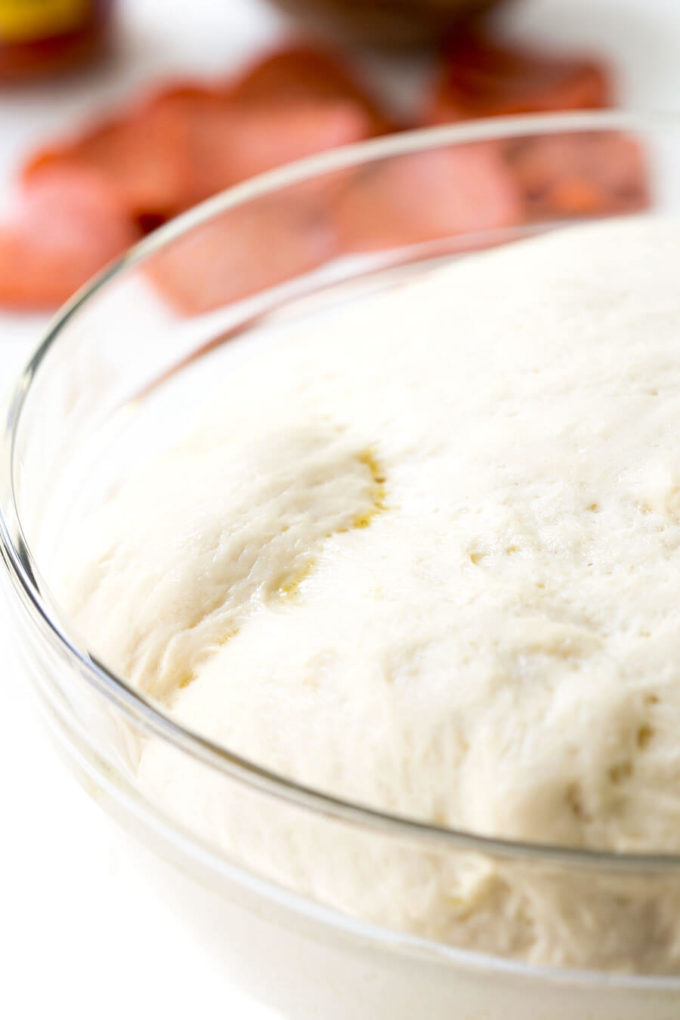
{"points": [[41, 37], [385, 22]]}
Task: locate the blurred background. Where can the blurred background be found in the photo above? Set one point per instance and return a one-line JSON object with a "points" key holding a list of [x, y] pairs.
{"points": [[115, 115]]}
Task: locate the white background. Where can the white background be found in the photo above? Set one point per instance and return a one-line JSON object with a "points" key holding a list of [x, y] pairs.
{"points": [[83, 935]]}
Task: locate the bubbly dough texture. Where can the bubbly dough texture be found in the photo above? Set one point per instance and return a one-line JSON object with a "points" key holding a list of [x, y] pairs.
{"points": [[427, 558]]}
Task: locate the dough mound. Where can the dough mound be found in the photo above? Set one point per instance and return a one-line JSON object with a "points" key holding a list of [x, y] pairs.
{"points": [[427, 558]]}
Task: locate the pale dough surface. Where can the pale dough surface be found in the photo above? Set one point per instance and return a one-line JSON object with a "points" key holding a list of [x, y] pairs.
{"points": [[427, 558]]}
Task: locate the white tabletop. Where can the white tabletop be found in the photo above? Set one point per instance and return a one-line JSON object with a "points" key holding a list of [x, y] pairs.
{"points": [[84, 936]]}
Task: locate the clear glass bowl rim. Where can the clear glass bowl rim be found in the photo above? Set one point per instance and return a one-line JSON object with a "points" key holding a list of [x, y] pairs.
{"points": [[25, 572]]}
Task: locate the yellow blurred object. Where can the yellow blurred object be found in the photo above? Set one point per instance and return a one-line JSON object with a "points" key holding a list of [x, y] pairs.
{"points": [[39, 37], [21, 20], [386, 22]]}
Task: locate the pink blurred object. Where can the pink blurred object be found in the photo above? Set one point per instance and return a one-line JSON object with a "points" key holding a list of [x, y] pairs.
{"points": [[425, 197], [62, 230]]}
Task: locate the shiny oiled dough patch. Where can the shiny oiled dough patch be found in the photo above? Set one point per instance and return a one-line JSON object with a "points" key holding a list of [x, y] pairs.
{"points": [[247, 539]]}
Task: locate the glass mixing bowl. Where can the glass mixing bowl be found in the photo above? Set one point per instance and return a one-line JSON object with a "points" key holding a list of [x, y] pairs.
{"points": [[122, 374]]}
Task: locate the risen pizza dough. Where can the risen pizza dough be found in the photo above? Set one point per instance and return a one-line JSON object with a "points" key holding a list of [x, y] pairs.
{"points": [[428, 559]]}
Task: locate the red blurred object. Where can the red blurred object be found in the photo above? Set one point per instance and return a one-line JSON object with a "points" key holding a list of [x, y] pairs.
{"points": [[140, 156], [580, 174], [292, 103], [55, 35], [65, 226], [575, 174], [247, 249], [427, 196], [227, 141], [188, 140], [182, 144], [483, 78], [306, 73]]}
